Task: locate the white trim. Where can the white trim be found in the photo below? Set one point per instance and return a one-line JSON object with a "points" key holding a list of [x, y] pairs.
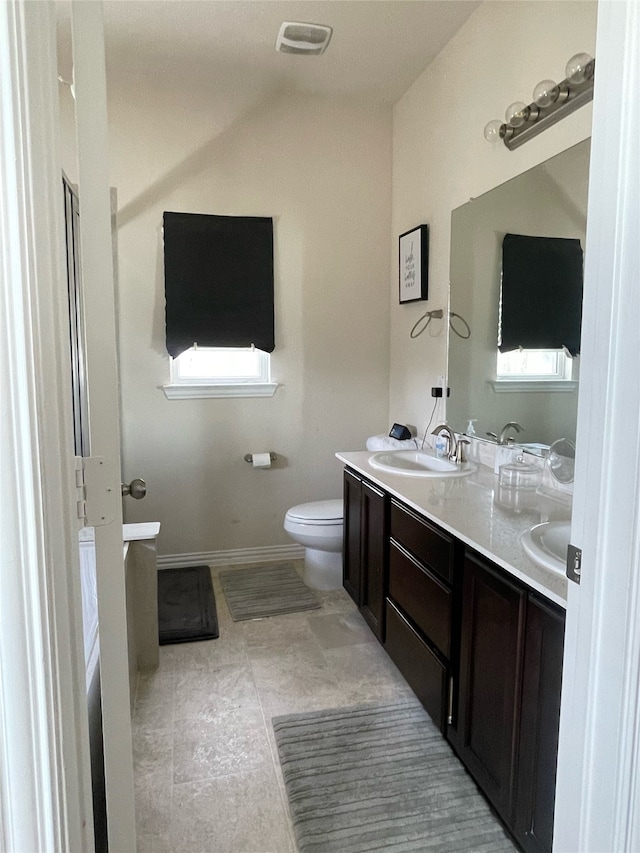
{"points": [[598, 791], [502, 386], [45, 787], [202, 391], [234, 557]]}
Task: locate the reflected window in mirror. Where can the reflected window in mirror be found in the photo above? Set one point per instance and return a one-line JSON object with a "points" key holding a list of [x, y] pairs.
{"points": [[534, 364]]}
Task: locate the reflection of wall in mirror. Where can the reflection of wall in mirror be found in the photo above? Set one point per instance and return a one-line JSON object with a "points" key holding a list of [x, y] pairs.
{"points": [[547, 201]]}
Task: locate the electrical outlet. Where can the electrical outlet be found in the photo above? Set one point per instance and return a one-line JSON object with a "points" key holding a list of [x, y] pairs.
{"points": [[440, 390]]}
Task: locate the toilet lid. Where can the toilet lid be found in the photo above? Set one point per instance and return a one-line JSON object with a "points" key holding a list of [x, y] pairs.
{"points": [[318, 512]]}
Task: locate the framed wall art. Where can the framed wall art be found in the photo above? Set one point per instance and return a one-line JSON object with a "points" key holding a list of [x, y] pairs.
{"points": [[414, 264]]}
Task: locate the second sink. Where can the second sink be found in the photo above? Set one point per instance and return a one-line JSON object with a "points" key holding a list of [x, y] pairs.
{"points": [[547, 543], [418, 463]]}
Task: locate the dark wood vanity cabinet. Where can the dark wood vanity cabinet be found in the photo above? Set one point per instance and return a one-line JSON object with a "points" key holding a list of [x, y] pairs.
{"points": [[506, 732], [365, 549], [480, 649]]}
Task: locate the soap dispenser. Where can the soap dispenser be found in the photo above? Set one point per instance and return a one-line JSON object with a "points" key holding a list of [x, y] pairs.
{"points": [[471, 430], [441, 446]]}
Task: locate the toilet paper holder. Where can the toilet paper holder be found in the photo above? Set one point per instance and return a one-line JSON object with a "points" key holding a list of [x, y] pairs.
{"points": [[248, 457]]}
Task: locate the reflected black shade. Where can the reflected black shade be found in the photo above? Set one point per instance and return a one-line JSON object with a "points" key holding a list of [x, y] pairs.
{"points": [[218, 278], [541, 293]]}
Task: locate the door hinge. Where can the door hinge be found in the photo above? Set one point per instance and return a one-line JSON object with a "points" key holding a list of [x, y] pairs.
{"points": [[574, 563], [98, 499]]}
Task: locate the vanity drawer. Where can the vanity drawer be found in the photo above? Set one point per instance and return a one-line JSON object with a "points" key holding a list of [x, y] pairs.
{"points": [[423, 670], [429, 544], [422, 596]]}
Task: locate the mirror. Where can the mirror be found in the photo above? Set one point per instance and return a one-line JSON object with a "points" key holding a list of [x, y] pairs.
{"points": [[549, 200]]}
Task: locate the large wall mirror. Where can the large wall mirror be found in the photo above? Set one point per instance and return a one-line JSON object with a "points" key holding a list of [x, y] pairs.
{"points": [[550, 200]]}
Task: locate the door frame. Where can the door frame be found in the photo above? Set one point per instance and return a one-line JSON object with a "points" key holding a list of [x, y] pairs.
{"points": [[45, 777], [598, 791]]}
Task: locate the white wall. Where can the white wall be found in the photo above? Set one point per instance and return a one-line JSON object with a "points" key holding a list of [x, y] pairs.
{"points": [[323, 171], [441, 159]]}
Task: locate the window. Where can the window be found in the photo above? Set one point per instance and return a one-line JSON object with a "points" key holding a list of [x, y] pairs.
{"points": [[220, 372], [535, 370], [218, 281]]}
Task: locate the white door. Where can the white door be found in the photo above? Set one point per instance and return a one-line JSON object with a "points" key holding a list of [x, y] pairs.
{"points": [[598, 791], [102, 469]]}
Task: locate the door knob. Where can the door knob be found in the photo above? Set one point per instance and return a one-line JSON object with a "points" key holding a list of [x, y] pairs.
{"points": [[136, 489]]}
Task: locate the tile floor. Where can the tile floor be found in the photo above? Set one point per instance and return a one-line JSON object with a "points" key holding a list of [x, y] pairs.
{"points": [[206, 767]]}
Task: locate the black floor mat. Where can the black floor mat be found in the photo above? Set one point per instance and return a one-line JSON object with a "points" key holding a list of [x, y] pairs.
{"points": [[186, 605]]}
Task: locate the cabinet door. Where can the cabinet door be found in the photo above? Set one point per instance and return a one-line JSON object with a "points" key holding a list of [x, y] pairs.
{"points": [[540, 720], [373, 557], [492, 634], [351, 562]]}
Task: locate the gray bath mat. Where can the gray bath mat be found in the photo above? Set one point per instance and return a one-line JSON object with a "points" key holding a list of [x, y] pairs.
{"points": [[267, 591], [186, 605], [380, 778]]}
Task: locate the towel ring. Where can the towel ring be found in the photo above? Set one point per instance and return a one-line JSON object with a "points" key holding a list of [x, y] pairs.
{"points": [[437, 314], [453, 314]]}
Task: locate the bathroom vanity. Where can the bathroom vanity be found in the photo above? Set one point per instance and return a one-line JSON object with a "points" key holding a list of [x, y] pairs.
{"points": [[475, 626]]}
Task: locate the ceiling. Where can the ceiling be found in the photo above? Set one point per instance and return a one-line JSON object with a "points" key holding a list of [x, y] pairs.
{"points": [[378, 47]]}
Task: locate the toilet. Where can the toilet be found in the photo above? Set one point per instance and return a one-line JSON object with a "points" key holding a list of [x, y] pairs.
{"points": [[318, 526]]}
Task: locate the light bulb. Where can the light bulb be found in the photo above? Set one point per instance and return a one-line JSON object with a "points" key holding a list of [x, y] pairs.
{"points": [[492, 130], [577, 70], [546, 93], [516, 114]]}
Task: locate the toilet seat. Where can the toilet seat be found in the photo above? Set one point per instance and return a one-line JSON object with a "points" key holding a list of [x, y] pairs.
{"points": [[317, 513]]}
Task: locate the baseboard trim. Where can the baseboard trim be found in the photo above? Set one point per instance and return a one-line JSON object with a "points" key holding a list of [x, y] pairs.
{"points": [[235, 557]]}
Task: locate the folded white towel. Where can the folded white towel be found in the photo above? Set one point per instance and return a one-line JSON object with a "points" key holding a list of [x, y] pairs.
{"points": [[385, 442]]}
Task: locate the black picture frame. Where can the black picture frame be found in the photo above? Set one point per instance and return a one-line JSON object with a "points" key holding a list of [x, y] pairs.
{"points": [[413, 265]]}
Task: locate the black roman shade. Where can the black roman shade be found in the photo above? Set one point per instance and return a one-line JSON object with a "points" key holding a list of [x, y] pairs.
{"points": [[218, 281], [541, 303]]}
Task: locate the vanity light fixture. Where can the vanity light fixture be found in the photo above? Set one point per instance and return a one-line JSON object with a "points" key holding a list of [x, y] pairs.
{"points": [[551, 102]]}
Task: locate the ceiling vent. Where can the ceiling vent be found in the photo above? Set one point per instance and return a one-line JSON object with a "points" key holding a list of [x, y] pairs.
{"points": [[303, 39]]}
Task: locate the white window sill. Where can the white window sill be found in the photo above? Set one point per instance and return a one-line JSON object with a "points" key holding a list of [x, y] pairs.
{"points": [[240, 389], [501, 386]]}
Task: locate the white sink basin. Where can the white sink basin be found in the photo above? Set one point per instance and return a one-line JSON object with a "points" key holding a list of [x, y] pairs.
{"points": [[546, 544], [418, 463]]}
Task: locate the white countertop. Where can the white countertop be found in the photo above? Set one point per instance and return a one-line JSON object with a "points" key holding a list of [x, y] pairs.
{"points": [[468, 508]]}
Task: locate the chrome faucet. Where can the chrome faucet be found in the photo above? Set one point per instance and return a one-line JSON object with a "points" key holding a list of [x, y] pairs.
{"points": [[452, 443], [460, 450], [503, 438]]}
